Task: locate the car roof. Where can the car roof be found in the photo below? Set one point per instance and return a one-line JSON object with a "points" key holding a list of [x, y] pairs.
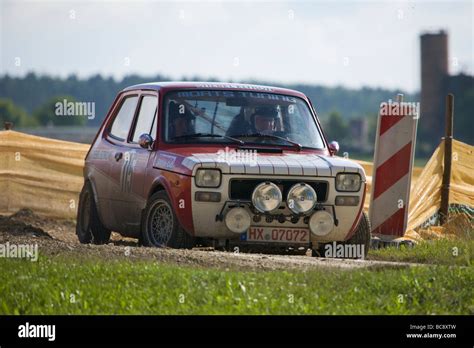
{"points": [[171, 85]]}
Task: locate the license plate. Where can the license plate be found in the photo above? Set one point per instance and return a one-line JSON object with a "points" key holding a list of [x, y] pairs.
{"points": [[275, 234]]}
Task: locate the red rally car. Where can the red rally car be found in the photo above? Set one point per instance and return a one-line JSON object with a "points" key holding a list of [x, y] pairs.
{"points": [[176, 163]]}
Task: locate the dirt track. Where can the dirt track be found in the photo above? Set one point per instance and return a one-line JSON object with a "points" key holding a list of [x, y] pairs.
{"points": [[57, 237]]}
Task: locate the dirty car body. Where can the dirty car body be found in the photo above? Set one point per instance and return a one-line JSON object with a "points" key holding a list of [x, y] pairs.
{"points": [[176, 163]]}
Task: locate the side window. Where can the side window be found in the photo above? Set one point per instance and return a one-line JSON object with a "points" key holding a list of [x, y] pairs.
{"points": [[123, 120], [146, 122]]}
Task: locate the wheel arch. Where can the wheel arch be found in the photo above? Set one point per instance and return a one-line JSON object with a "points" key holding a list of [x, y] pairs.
{"points": [[159, 184], [89, 179], [358, 217], [163, 184]]}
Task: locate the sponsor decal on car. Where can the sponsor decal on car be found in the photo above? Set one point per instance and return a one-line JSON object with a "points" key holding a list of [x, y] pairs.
{"points": [[166, 161]]}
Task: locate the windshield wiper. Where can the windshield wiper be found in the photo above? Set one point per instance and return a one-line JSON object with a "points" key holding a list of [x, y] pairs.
{"points": [[206, 135], [294, 143]]}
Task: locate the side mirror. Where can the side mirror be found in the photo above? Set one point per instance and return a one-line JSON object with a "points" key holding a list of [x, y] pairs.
{"points": [[333, 147], [145, 141]]}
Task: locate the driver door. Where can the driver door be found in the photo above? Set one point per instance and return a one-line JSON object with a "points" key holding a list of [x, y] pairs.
{"points": [[130, 165]]}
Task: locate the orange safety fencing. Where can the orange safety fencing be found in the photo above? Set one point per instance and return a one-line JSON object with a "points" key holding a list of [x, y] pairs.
{"points": [[46, 175]]}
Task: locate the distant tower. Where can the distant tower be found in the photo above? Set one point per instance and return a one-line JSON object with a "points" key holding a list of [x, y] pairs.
{"points": [[434, 73]]}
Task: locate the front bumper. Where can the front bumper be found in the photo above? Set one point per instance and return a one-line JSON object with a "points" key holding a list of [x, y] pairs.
{"points": [[208, 217]]}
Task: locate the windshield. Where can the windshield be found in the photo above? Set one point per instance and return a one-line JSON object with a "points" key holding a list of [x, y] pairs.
{"points": [[203, 116]]}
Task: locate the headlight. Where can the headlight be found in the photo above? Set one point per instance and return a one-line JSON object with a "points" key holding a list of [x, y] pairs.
{"points": [[237, 220], [348, 182], [321, 223], [301, 198], [266, 197], [208, 178]]}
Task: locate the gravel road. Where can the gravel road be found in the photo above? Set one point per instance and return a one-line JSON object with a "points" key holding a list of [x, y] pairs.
{"points": [[57, 237]]}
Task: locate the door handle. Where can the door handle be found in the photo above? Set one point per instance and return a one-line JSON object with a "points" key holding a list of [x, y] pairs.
{"points": [[118, 156]]}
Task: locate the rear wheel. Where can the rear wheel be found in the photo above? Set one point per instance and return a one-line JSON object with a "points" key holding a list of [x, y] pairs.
{"points": [[160, 227], [89, 228]]}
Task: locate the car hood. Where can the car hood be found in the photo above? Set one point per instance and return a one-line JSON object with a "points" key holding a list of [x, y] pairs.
{"points": [[252, 163]]}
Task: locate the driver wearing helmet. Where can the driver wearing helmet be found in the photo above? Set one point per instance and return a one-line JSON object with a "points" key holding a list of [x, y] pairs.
{"points": [[181, 120], [264, 120], [254, 120]]}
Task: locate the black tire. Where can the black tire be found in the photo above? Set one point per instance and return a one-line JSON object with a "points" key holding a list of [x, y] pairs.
{"points": [[89, 228], [362, 234], [168, 233]]}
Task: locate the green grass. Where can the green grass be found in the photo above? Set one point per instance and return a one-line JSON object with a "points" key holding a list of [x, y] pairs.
{"points": [[145, 287], [443, 251]]}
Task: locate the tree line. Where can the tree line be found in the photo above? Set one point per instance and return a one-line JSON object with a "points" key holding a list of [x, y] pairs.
{"points": [[30, 101]]}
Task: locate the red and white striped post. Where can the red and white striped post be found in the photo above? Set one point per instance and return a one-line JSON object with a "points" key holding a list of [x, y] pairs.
{"points": [[393, 163]]}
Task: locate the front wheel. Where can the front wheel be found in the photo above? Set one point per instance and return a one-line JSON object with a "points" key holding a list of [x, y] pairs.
{"points": [[89, 228], [361, 237], [160, 227], [359, 243]]}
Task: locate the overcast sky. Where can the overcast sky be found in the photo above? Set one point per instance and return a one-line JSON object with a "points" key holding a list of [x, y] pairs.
{"points": [[349, 43]]}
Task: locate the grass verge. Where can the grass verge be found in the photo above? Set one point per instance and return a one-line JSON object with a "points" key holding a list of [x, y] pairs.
{"points": [[61, 285], [441, 251]]}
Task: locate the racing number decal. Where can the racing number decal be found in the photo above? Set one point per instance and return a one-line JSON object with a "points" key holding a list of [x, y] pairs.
{"points": [[126, 172]]}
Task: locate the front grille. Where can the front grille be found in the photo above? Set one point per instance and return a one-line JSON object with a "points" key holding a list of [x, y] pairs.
{"points": [[241, 189]]}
